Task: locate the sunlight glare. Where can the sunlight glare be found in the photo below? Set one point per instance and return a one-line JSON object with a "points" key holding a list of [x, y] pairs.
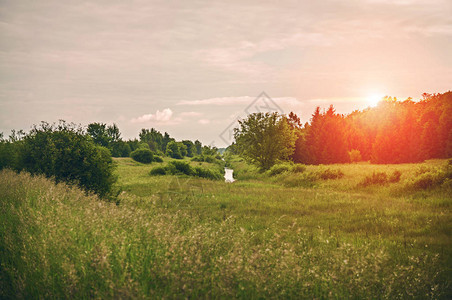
{"points": [[373, 99]]}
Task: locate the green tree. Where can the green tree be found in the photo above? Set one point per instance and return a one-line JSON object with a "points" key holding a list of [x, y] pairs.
{"points": [[198, 147], [182, 149], [172, 150], [98, 132], [264, 139], [190, 148]]}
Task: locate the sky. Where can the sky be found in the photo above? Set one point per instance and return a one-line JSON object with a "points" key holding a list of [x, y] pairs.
{"points": [[191, 68]]}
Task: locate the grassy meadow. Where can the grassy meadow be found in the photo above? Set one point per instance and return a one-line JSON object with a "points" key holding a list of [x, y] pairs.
{"points": [[291, 235]]}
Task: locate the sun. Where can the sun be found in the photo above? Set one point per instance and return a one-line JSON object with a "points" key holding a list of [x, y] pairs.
{"points": [[373, 99]]}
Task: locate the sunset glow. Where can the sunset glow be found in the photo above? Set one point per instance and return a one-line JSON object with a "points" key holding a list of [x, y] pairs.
{"points": [[373, 99]]}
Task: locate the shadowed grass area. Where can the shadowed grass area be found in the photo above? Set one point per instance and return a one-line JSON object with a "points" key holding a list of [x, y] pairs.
{"points": [[180, 236]]}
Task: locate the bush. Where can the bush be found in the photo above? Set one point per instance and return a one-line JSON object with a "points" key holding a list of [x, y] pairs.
{"points": [[329, 173], [207, 173], [158, 171], [395, 176], [8, 154], [142, 155], [205, 158], [175, 167], [298, 168], [379, 178], [431, 178], [158, 159], [180, 167], [65, 153], [278, 169]]}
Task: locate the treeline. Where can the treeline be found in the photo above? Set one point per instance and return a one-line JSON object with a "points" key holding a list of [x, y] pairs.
{"points": [[151, 139], [71, 153], [393, 132]]}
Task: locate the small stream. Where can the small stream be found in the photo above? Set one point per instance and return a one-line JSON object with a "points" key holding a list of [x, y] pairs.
{"points": [[228, 175]]}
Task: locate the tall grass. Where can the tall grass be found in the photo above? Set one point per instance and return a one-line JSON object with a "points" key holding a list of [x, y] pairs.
{"points": [[171, 238]]}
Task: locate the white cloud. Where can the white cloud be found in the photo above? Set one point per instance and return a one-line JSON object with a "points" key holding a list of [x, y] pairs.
{"points": [[159, 116], [204, 121]]}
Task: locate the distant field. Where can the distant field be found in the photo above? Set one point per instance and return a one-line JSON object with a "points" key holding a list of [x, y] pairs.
{"points": [[291, 235]]}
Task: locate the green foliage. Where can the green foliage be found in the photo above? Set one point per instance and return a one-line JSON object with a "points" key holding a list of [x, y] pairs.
{"points": [[173, 150], [158, 159], [142, 155], [427, 178], [209, 151], [65, 153], [279, 168], [381, 178], [144, 145], [120, 149], [8, 154], [190, 148], [98, 132], [298, 168], [205, 158], [207, 173], [329, 173], [159, 170], [264, 139], [176, 167], [395, 176], [180, 167]]}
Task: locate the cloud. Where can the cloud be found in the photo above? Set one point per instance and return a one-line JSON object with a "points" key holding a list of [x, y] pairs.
{"points": [[204, 121], [159, 117]]}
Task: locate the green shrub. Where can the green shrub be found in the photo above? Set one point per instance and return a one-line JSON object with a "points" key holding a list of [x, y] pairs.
{"points": [[379, 178], [279, 168], [65, 153], [298, 168], [395, 176], [158, 159], [158, 171], [329, 173], [8, 154], [143, 145], [426, 180], [207, 173], [421, 170], [205, 158], [180, 167], [175, 167], [431, 178], [142, 155]]}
